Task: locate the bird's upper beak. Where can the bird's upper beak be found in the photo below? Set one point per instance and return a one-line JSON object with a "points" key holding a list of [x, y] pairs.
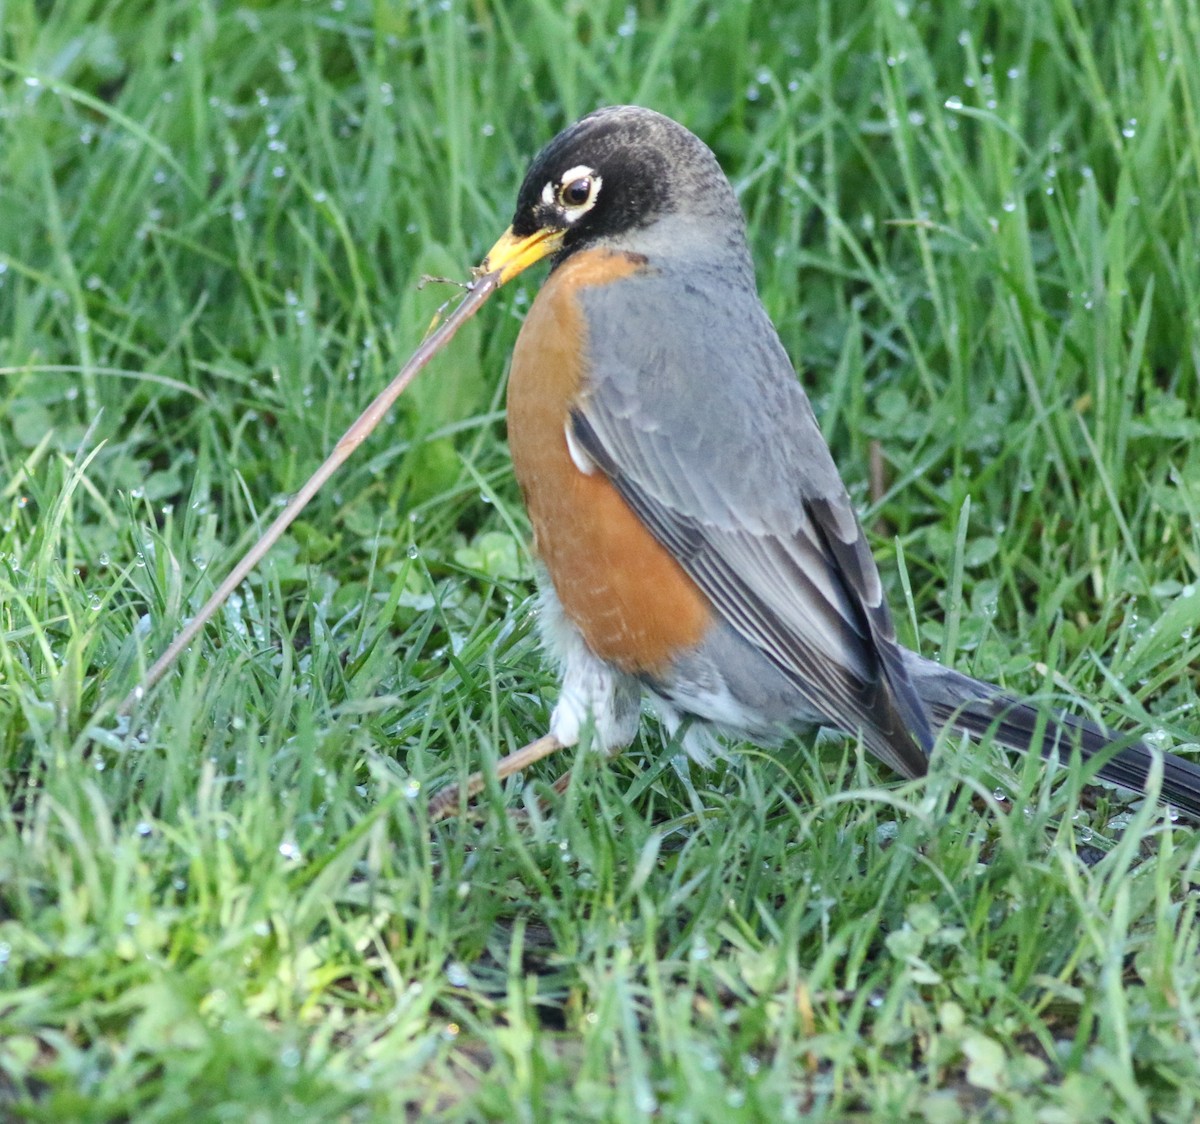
{"points": [[512, 253]]}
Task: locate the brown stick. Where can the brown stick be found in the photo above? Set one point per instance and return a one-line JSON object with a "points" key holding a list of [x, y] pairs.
{"points": [[445, 802], [479, 291]]}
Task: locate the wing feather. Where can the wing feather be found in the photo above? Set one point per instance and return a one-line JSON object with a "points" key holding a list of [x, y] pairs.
{"points": [[741, 488]]}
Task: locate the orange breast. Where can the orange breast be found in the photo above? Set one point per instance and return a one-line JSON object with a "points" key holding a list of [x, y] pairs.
{"points": [[633, 603]]}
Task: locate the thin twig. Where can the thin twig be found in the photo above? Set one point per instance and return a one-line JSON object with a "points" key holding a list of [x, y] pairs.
{"points": [[479, 290]]}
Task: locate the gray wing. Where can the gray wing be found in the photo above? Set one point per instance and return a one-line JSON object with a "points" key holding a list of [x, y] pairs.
{"points": [[708, 436]]}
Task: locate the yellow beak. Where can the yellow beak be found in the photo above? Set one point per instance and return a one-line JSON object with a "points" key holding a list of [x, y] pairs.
{"points": [[513, 254]]}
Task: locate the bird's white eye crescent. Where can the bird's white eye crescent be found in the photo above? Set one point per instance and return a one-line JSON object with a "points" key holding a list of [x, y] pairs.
{"points": [[577, 190]]}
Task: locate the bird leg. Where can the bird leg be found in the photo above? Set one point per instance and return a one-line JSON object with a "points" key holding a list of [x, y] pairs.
{"points": [[445, 803]]}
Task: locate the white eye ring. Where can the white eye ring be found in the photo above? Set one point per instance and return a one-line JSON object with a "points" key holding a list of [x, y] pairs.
{"points": [[579, 172], [585, 183]]}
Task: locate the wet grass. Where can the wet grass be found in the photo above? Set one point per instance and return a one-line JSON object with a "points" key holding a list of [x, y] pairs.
{"points": [[976, 228]]}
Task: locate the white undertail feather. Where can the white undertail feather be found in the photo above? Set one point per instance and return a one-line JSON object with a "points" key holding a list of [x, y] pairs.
{"points": [[591, 689]]}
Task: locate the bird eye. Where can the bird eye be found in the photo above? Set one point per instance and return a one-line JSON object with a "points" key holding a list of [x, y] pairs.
{"points": [[577, 192]]}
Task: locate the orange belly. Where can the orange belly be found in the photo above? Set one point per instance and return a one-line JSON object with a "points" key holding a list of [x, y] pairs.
{"points": [[630, 599]]}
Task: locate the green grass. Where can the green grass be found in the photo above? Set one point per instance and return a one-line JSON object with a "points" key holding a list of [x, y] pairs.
{"points": [[978, 229]]}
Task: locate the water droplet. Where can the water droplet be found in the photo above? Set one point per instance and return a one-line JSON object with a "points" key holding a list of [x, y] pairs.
{"points": [[954, 103], [457, 974], [412, 788], [290, 851], [645, 1101], [886, 831]]}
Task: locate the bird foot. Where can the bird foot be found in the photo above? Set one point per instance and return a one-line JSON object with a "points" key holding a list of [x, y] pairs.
{"points": [[446, 802]]}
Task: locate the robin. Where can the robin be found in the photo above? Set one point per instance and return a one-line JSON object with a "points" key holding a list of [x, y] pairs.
{"points": [[696, 542]]}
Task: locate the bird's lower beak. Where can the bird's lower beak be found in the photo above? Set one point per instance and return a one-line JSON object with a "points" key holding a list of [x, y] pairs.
{"points": [[513, 253]]}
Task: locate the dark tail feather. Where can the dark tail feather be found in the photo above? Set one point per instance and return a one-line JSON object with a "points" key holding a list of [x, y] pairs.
{"points": [[979, 708]]}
